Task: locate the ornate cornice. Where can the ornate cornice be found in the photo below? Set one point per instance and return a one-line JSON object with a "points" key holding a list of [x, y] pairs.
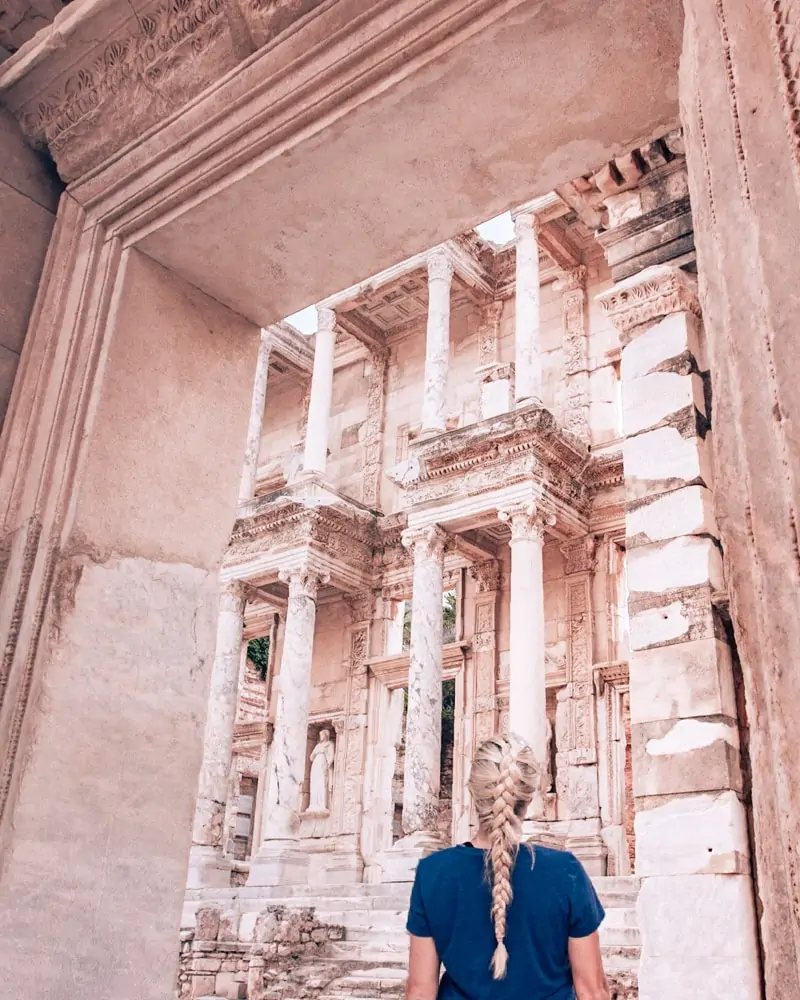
{"points": [[523, 444], [649, 296]]}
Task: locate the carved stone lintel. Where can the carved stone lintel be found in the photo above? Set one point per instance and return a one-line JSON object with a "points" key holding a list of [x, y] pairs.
{"points": [[649, 296], [486, 576], [527, 520], [579, 555], [427, 543], [362, 605]]}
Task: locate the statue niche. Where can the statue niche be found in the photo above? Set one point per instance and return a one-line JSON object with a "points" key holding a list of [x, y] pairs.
{"points": [[320, 777]]}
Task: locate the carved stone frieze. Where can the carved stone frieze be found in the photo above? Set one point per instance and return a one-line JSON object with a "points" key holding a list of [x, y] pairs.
{"points": [[579, 555], [486, 576], [523, 444], [649, 296], [373, 432]]}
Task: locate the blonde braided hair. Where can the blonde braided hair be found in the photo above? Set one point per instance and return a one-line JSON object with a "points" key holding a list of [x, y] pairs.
{"points": [[502, 784]]}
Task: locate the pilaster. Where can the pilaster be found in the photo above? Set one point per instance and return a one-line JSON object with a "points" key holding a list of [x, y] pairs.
{"points": [[576, 352], [253, 445], [691, 830], [315, 457]]}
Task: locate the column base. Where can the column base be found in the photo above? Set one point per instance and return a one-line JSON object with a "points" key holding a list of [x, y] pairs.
{"points": [[279, 862], [208, 868], [399, 863]]}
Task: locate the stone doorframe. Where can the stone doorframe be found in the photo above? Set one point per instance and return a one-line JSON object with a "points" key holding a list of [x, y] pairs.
{"points": [[388, 677], [611, 681]]}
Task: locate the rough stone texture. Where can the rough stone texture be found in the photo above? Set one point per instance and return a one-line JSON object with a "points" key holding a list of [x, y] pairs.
{"points": [[739, 100], [111, 729], [437, 344]]}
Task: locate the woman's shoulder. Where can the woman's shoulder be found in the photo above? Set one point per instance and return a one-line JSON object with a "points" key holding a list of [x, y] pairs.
{"points": [[449, 858]]}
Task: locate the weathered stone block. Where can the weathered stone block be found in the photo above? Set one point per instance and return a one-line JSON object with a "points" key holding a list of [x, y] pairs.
{"points": [[680, 562], [686, 511], [266, 927], [650, 400], [206, 964], [662, 460], [207, 921], [692, 929], [202, 986], [659, 625], [682, 681], [693, 835], [665, 340], [691, 755], [228, 926], [223, 983]]}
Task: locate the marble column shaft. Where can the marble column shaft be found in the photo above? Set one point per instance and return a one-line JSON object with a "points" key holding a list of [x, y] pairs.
{"points": [[527, 689], [289, 745], [437, 344], [424, 719], [218, 738], [319, 407], [527, 346], [247, 486]]}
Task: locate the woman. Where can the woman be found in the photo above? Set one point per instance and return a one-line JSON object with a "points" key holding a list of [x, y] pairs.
{"points": [[545, 944]]}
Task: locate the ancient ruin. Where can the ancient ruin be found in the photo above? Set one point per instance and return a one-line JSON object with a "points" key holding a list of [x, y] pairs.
{"points": [[269, 573]]}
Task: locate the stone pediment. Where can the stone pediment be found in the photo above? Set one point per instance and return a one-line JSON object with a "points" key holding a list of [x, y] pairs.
{"points": [[520, 445]]}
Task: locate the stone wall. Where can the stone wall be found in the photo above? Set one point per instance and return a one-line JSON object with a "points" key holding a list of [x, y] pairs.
{"points": [[230, 955]]}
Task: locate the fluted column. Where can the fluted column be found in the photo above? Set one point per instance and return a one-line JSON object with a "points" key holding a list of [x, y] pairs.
{"points": [[319, 407], [527, 690], [424, 719], [248, 484], [527, 346], [437, 344], [206, 866]]}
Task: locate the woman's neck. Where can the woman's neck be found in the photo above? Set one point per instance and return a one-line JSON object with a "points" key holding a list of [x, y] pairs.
{"points": [[481, 840]]}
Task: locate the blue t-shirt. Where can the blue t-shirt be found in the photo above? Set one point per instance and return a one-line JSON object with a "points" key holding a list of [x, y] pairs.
{"points": [[554, 900]]}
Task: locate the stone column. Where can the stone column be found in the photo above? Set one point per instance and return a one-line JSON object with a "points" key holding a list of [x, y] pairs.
{"points": [[278, 862], [424, 718], [527, 347], [247, 486], [437, 344], [527, 687], [695, 908], [315, 457], [207, 868]]}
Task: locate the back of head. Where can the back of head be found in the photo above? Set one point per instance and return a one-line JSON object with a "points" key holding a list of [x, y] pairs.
{"points": [[502, 784]]}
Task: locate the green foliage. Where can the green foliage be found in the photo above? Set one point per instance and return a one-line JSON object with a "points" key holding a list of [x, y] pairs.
{"points": [[258, 653], [448, 716]]}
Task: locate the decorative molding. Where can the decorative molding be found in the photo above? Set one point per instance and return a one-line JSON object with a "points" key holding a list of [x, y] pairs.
{"points": [[393, 670], [616, 674], [649, 296], [303, 582], [440, 265], [513, 447], [579, 555], [373, 432], [486, 576]]}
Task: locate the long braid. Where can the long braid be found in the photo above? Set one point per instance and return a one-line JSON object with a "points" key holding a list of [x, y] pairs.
{"points": [[502, 782]]}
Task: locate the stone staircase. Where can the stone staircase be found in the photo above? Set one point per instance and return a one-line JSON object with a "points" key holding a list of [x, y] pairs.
{"points": [[369, 961]]}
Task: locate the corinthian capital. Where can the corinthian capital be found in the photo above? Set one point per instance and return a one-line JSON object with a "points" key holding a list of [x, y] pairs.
{"points": [[304, 582], [647, 297], [527, 520], [440, 266], [326, 319], [426, 543], [525, 224]]}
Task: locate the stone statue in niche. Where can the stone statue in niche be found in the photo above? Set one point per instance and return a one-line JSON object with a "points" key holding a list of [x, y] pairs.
{"points": [[321, 776], [549, 777]]}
